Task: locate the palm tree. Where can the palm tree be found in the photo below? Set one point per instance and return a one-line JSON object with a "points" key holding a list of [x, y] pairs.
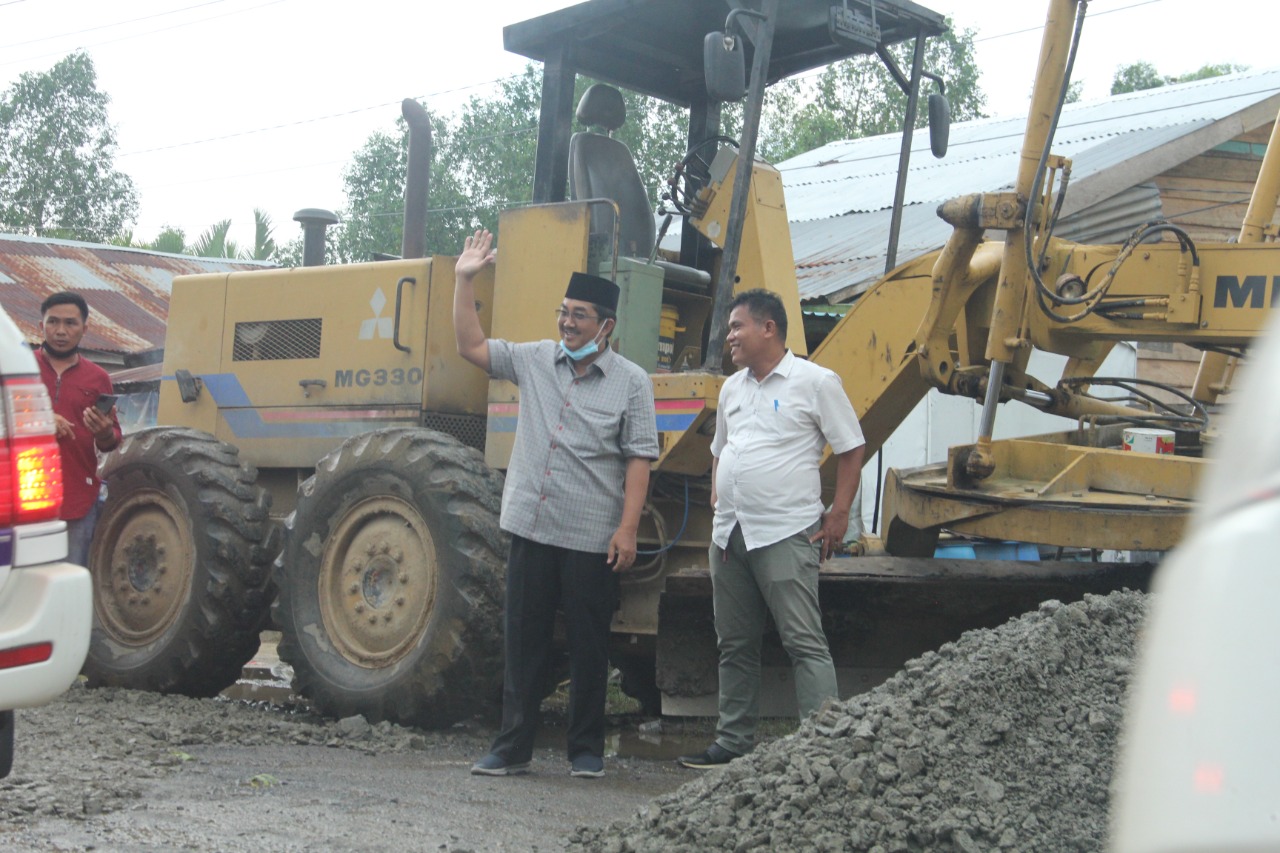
{"points": [[213, 243], [264, 245]]}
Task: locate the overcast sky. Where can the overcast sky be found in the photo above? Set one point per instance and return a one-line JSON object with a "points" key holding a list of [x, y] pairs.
{"points": [[222, 106]]}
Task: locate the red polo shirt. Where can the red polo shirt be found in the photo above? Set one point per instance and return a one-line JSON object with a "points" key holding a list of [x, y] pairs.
{"points": [[73, 392]]}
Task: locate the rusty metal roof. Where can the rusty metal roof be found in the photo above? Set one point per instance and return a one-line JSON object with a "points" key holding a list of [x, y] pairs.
{"points": [[127, 289]]}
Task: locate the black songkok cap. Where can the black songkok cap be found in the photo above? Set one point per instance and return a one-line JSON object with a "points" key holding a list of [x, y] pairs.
{"points": [[593, 289]]}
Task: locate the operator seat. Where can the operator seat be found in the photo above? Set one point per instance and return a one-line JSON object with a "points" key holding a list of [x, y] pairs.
{"points": [[602, 167]]}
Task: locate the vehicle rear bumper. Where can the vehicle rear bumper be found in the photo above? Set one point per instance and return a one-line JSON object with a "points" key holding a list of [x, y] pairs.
{"points": [[43, 604]]}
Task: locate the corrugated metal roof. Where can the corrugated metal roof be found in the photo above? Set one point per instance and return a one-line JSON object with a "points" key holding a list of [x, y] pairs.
{"points": [[127, 289], [839, 196], [131, 378], [1112, 220]]}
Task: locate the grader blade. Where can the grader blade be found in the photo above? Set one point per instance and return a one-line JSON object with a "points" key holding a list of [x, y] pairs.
{"points": [[878, 613], [1046, 489]]}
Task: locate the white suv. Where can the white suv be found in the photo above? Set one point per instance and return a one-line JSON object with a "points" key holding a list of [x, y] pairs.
{"points": [[46, 604]]}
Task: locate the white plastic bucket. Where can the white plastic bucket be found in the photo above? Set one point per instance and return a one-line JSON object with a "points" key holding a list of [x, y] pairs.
{"points": [[1148, 440]]}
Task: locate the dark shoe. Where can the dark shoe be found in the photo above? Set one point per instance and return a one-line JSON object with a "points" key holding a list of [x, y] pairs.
{"points": [[496, 765], [714, 756], [587, 766]]}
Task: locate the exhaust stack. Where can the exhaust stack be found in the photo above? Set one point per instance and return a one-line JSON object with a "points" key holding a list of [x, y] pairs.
{"points": [[417, 183]]}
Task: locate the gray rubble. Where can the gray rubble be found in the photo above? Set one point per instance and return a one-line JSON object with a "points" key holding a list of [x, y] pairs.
{"points": [[1003, 740], [124, 738]]}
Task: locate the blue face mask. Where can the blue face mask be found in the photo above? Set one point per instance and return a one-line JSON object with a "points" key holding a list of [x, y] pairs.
{"points": [[591, 347]]}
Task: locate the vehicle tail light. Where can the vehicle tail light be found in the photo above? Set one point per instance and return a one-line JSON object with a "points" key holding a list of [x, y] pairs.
{"points": [[30, 465], [25, 655]]}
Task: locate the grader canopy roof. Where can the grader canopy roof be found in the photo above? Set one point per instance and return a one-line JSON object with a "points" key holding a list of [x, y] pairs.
{"points": [[655, 46]]}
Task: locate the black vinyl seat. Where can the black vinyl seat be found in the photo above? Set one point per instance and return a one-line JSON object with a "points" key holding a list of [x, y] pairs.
{"points": [[602, 167]]}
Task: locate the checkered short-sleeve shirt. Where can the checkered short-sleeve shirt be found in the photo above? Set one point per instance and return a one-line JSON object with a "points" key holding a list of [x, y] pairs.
{"points": [[574, 435]]}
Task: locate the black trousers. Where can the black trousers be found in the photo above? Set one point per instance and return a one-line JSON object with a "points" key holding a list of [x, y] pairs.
{"points": [[540, 580]]}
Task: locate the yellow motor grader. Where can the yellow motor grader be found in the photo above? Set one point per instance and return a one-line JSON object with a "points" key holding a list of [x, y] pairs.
{"points": [[329, 461]]}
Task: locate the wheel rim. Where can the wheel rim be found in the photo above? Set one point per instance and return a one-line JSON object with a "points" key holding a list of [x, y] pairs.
{"points": [[146, 576], [377, 582]]}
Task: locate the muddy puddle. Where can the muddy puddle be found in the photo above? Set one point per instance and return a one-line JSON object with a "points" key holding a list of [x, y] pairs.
{"points": [[267, 679]]}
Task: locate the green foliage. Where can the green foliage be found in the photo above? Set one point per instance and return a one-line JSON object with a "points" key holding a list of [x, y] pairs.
{"points": [[372, 223], [1136, 77], [483, 158], [213, 243], [494, 147], [657, 133], [482, 163], [1139, 76], [170, 239], [859, 97], [264, 244], [57, 151], [1207, 71]]}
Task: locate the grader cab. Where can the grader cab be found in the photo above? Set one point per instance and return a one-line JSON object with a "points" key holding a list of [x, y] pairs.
{"points": [[334, 395]]}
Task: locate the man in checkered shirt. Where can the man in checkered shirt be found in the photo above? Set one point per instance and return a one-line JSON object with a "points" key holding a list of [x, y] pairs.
{"points": [[576, 484]]}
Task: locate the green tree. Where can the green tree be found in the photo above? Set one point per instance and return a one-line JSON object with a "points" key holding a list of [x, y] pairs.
{"points": [[1139, 76], [213, 243], [482, 163], [1207, 71], [264, 242], [170, 239], [484, 157], [57, 155], [1136, 77], [858, 97], [372, 223]]}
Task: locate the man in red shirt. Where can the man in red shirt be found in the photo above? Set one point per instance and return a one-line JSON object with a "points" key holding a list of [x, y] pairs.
{"points": [[75, 384]]}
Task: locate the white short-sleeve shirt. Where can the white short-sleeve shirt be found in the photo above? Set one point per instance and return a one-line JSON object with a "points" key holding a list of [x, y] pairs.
{"points": [[769, 439]]}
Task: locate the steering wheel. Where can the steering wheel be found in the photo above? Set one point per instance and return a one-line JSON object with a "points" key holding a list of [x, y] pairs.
{"points": [[692, 173]]}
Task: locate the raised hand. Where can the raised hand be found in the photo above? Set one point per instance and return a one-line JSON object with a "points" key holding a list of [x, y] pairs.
{"points": [[477, 253]]}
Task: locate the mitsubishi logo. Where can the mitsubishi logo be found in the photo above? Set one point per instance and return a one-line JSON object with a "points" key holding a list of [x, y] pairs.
{"points": [[377, 321]]}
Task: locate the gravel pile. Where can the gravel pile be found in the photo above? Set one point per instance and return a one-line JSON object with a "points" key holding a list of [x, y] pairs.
{"points": [[1003, 740]]}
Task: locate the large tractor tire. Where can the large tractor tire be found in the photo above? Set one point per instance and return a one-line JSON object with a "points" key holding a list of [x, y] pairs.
{"points": [[391, 581], [181, 564]]}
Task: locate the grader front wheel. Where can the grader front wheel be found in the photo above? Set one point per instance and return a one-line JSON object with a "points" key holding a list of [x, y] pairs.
{"points": [[391, 581], [181, 563], [378, 577]]}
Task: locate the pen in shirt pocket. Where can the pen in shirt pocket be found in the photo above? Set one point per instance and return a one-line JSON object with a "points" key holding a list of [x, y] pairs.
{"points": [[775, 405]]}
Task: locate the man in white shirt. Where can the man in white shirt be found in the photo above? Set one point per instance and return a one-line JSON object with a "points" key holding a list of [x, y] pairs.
{"points": [[771, 530]]}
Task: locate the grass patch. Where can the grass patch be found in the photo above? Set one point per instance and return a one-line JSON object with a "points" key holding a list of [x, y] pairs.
{"points": [[616, 703]]}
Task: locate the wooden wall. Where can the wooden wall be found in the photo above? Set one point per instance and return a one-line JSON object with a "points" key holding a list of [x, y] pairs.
{"points": [[1209, 194]]}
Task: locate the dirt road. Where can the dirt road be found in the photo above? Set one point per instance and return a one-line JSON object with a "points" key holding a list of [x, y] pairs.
{"points": [[116, 770]]}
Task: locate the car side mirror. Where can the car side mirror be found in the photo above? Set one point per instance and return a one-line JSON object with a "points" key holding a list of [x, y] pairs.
{"points": [[725, 66], [939, 124]]}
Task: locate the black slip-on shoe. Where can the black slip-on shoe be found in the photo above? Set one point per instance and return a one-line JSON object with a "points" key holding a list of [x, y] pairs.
{"points": [[496, 765], [587, 766], [714, 756]]}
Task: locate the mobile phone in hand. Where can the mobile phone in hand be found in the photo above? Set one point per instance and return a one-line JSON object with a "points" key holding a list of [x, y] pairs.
{"points": [[105, 402]]}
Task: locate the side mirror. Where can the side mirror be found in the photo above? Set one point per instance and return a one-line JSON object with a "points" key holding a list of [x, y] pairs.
{"points": [[725, 65], [188, 386], [939, 124]]}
